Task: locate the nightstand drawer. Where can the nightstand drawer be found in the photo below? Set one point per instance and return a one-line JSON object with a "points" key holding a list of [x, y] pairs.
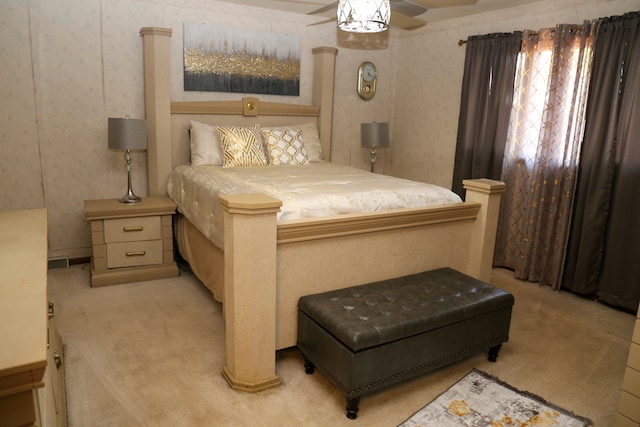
{"points": [[130, 254], [132, 229]]}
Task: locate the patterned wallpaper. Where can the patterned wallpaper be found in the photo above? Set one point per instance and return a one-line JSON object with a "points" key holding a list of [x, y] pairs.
{"points": [[68, 66], [20, 171], [428, 84]]}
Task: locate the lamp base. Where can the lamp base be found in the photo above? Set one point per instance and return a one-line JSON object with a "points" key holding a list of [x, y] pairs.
{"points": [[130, 198], [373, 157]]}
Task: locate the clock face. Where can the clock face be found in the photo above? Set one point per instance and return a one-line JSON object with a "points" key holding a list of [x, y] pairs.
{"points": [[368, 72]]}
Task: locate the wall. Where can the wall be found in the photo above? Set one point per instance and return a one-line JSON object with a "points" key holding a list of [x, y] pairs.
{"points": [[428, 83], [68, 65]]}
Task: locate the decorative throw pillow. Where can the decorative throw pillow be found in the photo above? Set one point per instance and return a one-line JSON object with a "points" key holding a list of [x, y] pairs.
{"points": [[284, 146], [205, 144], [242, 146]]}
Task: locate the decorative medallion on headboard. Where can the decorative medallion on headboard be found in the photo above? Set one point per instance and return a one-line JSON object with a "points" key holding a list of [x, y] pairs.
{"points": [[231, 60]]}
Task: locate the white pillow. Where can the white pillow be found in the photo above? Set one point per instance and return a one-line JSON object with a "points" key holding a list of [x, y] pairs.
{"points": [[205, 145], [284, 146], [311, 140]]}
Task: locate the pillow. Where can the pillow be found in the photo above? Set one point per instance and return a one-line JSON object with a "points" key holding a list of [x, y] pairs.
{"points": [[205, 145], [284, 146], [242, 146], [311, 140]]}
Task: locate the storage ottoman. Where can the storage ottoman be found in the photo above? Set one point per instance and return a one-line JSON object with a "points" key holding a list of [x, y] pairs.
{"points": [[367, 338]]}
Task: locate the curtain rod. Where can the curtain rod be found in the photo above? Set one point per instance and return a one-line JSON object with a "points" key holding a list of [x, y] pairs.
{"points": [[535, 33]]}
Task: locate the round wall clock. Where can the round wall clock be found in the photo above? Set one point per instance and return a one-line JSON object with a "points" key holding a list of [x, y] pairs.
{"points": [[367, 78]]}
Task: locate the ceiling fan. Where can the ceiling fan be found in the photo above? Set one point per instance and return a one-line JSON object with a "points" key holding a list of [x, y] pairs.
{"points": [[404, 13]]}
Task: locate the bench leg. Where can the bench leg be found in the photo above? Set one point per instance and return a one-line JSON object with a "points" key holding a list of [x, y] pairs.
{"points": [[352, 408], [493, 353], [309, 368]]}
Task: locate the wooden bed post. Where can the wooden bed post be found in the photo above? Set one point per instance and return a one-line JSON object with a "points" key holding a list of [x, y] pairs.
{"points": [[157, 101], [250, 240], [483, 234], [324, 73]]}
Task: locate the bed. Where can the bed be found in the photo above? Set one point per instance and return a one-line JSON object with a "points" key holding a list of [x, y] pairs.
{"points": [[263, 264]]}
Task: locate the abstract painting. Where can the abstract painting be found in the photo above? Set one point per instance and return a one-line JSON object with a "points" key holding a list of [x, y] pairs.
{"points": [[232, 60]]}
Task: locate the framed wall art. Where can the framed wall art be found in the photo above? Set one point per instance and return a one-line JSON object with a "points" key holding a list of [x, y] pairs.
{"points": [[233, 60]]}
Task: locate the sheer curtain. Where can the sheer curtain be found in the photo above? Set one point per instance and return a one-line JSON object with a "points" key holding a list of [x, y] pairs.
{"points": [[542, 150], [605, 241], [485, 105]]}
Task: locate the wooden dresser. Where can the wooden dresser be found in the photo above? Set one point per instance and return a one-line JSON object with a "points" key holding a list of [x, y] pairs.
{"points": [[31, 371], [629, 404]]}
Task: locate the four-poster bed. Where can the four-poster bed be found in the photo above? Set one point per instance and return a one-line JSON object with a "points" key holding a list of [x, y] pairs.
{"points": [[265, 265]]}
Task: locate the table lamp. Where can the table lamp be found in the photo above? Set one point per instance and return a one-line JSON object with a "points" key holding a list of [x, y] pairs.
{"points": [[373, 135], [128, 134]]}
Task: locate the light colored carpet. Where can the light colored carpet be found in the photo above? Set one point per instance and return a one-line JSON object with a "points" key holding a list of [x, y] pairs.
{"points": [[151, 354]]}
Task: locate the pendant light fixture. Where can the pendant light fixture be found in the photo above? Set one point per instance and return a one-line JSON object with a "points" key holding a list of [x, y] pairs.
{"points": [[364, 16]]}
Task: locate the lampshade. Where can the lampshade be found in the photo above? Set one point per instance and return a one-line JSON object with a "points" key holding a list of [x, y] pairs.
{"points": [[364, 16], [127, 134], [374, 134]]}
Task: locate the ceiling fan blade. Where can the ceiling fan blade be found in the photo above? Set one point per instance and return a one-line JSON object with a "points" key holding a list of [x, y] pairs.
{"points": [[319, 3], [407, 8], [405, 22], [324, 9], [324, 21], [434, 4]]}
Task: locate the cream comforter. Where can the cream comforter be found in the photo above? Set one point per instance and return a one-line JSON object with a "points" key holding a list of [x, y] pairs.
{"points": [[316, 189]]}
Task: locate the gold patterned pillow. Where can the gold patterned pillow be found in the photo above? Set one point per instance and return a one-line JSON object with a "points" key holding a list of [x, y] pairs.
{"points": [[242, 146], [284, 146]]}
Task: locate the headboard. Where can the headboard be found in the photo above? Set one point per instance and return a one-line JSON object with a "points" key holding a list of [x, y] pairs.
{"points": [[167, 122]]}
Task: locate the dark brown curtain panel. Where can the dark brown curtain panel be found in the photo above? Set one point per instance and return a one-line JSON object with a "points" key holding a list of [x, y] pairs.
{"points": [[603, 256], [487, 90]]}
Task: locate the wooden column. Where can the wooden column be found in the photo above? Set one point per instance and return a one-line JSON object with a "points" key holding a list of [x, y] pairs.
{"points": [[157, 101], [483, 235], [250, 238], [324, 70]]}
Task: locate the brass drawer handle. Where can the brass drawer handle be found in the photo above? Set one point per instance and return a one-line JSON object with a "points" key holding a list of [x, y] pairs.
{"points": [[128, 229], [137, 253], [50, 312], [58, 359]]}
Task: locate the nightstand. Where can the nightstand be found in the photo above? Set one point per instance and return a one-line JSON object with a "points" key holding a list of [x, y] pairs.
{"points": [[131, 241]]}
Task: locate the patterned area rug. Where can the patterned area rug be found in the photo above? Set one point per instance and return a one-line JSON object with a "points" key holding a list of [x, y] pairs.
{"points": [[479, 399]]}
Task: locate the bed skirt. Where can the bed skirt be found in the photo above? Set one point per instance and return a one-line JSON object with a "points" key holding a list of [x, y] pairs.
{"points": [[205, 259]]}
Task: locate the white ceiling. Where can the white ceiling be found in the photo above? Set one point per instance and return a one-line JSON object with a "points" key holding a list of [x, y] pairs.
{"points": [[445, 9]]}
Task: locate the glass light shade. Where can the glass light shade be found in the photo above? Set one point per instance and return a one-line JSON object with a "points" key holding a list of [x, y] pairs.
{"points": [[364, 16]]}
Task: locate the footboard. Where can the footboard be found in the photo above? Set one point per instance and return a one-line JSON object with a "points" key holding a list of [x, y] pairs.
{"points": [[269, 266]]}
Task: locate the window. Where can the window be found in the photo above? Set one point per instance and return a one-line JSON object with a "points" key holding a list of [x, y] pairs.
{"points": [[548, 105]]}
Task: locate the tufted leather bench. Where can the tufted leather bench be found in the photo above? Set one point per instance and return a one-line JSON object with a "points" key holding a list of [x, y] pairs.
{"points": [[367, 338]]}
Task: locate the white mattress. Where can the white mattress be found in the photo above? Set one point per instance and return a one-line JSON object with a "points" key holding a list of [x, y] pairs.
{"points": [[316, 189]]}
